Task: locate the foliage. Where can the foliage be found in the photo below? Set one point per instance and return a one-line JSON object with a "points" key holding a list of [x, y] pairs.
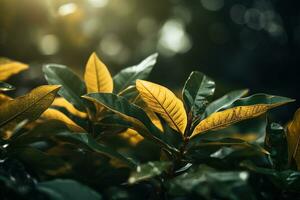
{"points": [[123, 137]]}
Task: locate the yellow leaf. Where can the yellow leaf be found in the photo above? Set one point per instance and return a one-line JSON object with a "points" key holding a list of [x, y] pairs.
{"points": [[4, 98], [293, 138], [164, 102], [10, 67], [28, 107], [155, 120], [57, 115], [132, 136], [61, 102], [230, 116], [97, 76]]}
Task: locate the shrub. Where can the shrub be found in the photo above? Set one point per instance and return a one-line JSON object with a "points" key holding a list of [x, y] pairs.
{"points": [[123, 137]]}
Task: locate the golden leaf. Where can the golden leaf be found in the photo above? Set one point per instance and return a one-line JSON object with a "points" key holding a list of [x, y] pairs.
{"points": [[132, 136], [4, 98], [28, 107], [61, 102], [97, 76], [57, 115], [293, 138], [153, 117], [230, 116], [10, 67], [164, 102]]}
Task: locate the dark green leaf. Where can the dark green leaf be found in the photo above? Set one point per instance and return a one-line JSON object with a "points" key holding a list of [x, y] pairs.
{"points": [[276, 144], [224, 101], [148, 170], [129, 75], [60, 189], [6, 87], [205, 182], [72, 86], [197, 89], [130, 93], [40, 161], [91, 143], [261, 99], [288, 180], [228, 150], [131, 113]]}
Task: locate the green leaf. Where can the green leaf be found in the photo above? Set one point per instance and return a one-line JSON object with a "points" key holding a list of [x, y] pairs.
{"points": [[224, 101], [266, 99], [276, 144], [130, 93], [62, 189], [229, 150], [287, 180], [40, 161], [128, 76], [132, 113], [72, 86], [197, 89], [207, 183], [6, 87], [149, 170], [91, 143]]}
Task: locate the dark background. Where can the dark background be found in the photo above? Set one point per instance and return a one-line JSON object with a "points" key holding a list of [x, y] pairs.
{"points": [[241, 44]]}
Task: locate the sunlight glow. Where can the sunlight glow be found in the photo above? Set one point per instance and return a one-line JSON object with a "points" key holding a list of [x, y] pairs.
{"points": [[173, 38], [98, 3], [67, 9]]}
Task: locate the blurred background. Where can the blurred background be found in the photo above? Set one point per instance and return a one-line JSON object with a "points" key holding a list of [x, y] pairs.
{"points": [[241, 44]]}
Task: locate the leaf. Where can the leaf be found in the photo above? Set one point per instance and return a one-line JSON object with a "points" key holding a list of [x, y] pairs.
{"points": [[228, 150], [132, 136], [10, 67], [6, 87], [130, 112], [148, 170], [224, 101], [276, 144], [41, 162], [4, 98], [61, 102], [52, 114], [128, 76], [72, 86], [203, 182], [88, 141], [243, 109], [97, 77], [293, 139], [164, 102], [130, 93], [154, 119], [62, 189], [197, 89], [29, 106]]}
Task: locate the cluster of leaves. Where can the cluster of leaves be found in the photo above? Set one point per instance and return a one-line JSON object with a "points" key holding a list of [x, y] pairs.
{"points": [[123, 137]]}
